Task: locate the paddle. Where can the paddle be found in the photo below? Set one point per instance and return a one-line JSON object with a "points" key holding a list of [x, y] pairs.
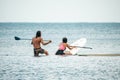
{"points": [[84, 47], [18, 38]]}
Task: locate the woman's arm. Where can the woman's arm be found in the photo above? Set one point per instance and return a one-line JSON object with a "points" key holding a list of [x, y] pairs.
{"points": [[70, 47]]}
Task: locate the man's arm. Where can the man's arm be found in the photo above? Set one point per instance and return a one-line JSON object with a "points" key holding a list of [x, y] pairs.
{"points": [[46, 42]]}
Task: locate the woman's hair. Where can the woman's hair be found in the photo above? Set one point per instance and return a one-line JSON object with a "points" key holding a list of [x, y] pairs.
{"points": [[38, 34], [64, 40]]}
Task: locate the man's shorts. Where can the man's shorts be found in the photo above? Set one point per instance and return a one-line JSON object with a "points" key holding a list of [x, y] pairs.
{"points": [[38, 50]]}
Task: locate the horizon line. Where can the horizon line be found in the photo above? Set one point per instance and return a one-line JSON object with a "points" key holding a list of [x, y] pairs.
{"points": [[58, 22]]}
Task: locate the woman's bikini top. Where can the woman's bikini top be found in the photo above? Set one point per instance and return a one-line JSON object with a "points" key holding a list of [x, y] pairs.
{"points": [[62, 47]]}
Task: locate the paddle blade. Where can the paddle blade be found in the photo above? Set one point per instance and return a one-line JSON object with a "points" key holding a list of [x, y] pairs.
{"points": [[17, 38]]}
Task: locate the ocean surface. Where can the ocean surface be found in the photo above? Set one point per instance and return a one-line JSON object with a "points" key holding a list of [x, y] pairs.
{"points": [[18, 63]]}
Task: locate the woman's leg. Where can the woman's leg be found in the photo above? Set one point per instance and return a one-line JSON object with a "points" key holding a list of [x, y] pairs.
{"points": [[68, 53]]}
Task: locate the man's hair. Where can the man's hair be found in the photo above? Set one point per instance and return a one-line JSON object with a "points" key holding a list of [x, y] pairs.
{"points": [[38, 34], [64, 40]]}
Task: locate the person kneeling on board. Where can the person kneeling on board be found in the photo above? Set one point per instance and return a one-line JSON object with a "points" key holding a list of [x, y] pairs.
{"points": [[36, 41], [63, 46]]}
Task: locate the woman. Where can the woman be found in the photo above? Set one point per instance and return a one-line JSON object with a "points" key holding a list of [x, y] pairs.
{"points": [[63, 46]]}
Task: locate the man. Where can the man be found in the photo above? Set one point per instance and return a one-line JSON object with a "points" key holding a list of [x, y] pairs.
{"points": [[36, 41]]}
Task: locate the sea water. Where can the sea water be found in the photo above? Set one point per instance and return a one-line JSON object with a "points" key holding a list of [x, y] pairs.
{"points": [[17, 61]]}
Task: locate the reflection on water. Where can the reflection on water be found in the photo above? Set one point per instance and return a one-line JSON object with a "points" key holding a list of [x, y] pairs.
{"points": [[59, 68]]}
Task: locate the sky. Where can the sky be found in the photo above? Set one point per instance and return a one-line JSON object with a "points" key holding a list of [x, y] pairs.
{"points": [[59, 10]]}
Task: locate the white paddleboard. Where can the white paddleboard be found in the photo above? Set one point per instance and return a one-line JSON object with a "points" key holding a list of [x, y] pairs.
{"points": [[80, 42]]}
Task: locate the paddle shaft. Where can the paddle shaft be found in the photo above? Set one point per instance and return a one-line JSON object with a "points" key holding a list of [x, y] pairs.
{"points": [[17, 38], [83, 47], [31, 39]]}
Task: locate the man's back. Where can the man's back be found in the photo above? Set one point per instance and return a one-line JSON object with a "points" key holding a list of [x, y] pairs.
{"points": [[36, 42]]}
